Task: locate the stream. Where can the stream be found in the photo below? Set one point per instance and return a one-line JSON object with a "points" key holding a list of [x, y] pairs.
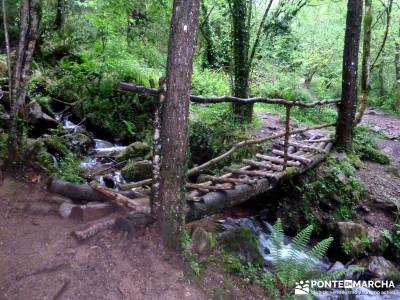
{"points": [[262, 230]]}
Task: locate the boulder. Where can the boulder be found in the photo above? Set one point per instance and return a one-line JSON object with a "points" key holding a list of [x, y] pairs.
{"points": [[353, 238], [241, 242], [41, 121], [201, 242], [137, 170], [379, 268], [137, 150], [89, 212], [79, 141]]}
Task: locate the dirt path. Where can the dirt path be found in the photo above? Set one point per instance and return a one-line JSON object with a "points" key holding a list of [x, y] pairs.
{"points": [[39, 258], [383, 182]]}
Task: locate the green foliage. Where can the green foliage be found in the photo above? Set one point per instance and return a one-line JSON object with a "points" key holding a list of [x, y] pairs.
{"points": [[213, 130], [328, 194], [3, 146], [366, 148], [356, 247], [291, 268], [69, 169], [190, 257], [394, 239]]}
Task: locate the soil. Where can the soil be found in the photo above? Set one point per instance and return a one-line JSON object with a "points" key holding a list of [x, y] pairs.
{"points": [[40, 259]]}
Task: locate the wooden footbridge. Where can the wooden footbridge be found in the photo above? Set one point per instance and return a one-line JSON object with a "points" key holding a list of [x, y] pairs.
{"points": [[288, 153], [292, 152]]}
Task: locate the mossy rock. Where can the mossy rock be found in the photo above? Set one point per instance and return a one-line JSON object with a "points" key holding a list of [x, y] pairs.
{"points": [[79, 141], [137, 170], [379, 268], [353, 237], [134, 151], [56, 145], [243, 243], [372, 154]]}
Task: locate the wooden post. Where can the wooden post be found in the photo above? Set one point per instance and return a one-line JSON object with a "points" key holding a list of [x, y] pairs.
{"points": [[158, 105], [287, 136]]}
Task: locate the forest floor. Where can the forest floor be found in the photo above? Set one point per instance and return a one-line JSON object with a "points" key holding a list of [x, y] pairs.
{"points": [[40, 259]]}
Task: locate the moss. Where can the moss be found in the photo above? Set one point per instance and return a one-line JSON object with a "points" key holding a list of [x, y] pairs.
{"points": [[329, 193], [137, 170], [3, 146], [55, 145], [243, 243], [136, 150], [366, 148]]}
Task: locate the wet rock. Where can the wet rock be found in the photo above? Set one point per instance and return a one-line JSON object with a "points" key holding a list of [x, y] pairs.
{"points": [[79, 141], [137, 150], [201, 242], [241, 242], [137, 170], [337, 266], [377, 267], [40, 121]]}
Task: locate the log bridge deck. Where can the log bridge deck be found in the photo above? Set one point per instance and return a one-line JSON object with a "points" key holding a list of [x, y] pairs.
{"points": [[256, 176]]}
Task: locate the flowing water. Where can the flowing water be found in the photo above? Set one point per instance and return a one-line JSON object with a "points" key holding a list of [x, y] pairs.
{"points": [[262, 230]]}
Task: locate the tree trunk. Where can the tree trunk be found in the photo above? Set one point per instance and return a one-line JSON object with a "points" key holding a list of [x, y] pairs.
{"points": [[366, 57], [241, 68], [169, 207], [381, 76], [28, 34], [397, 62], [347, 106]]}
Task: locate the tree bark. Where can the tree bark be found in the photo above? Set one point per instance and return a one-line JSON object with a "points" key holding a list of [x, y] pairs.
{"points": [[366, 57], [241, 68], [397, 84], [8, 48], [347, 107], [381, 77], [28, 34], [169, 207]]}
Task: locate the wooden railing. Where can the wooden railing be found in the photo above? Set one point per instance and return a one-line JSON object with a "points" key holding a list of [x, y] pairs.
{"points": [[153, 92]]}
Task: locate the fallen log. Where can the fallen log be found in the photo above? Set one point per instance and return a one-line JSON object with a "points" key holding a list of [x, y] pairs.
{"points": [[83, 193], [139, 205], [277, 160], [94, 229]]}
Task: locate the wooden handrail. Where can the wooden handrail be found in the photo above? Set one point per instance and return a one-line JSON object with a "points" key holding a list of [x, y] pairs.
{"points": [[212, 100]]}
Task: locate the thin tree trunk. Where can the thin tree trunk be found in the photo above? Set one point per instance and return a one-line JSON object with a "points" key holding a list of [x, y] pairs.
{"points": [[397, 85], [366, 57], [241, 70], [381, 77], [347, 107], [28, 34], [174, 132], [8, 49]]}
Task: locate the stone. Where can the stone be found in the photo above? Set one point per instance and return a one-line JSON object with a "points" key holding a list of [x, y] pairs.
{"points": [[70, 211], [79, 141], [201, 242], [377, 267], [136, 150], [208, 224], [337, 266], [41, 208], [353, 238], [95, 210], [137, 170]]}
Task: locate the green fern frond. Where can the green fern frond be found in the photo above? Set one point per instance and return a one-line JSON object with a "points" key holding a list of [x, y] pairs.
{"points": [[320, 249], [277, 236], [301, 240]]}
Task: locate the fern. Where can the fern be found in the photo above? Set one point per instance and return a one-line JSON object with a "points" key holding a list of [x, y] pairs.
{"points": [[290, 268]]}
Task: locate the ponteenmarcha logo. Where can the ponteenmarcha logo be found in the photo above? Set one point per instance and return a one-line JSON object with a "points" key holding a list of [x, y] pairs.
{"points": [[302, 288]]}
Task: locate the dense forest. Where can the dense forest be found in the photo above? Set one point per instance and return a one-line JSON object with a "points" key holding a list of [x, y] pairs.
{"points": [[225, 149]]}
